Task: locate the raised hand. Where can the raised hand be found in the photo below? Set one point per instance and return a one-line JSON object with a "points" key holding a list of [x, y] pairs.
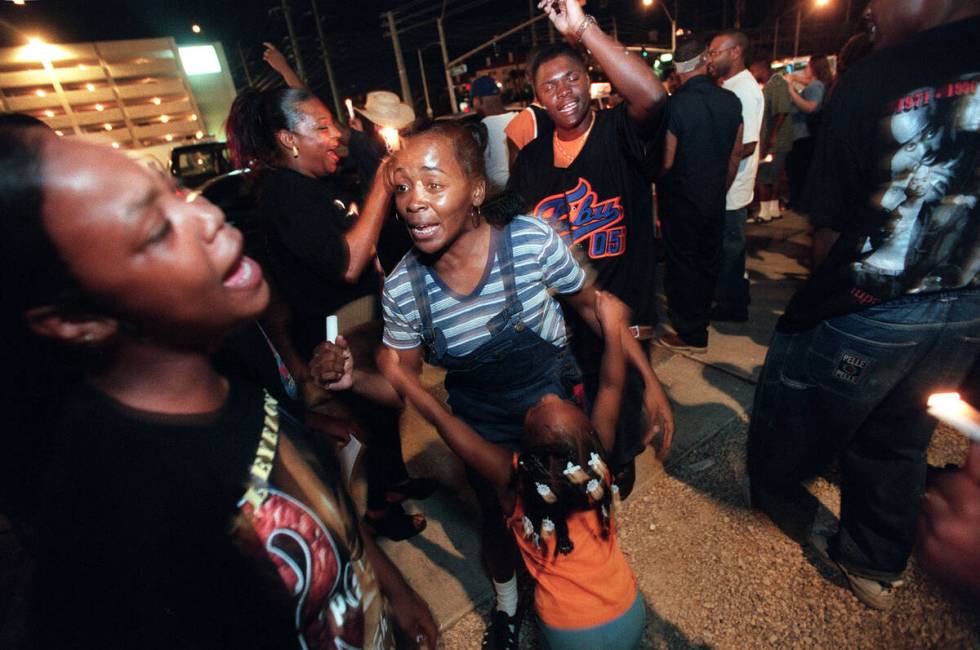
{"points": [[565, 15]]}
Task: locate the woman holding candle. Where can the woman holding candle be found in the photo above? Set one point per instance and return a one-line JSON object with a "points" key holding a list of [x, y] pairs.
{"points": [[320, 256]]}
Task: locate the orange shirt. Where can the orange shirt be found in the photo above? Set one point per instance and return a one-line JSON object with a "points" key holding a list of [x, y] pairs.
{"points": [[523, 128], [590, 586]]}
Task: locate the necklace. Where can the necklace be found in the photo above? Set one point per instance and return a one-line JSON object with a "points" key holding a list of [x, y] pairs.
{"points": [[567, 157]]}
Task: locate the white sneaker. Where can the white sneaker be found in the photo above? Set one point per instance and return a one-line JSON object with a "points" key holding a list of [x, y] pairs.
{"points": [[873, 593]]}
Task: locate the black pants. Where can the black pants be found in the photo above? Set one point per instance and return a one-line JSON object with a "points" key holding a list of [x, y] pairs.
{"points": [[693, 241], [797, 167]]}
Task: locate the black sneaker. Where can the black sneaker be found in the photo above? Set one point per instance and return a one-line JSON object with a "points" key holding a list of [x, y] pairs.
{"points": [[503, 632]]}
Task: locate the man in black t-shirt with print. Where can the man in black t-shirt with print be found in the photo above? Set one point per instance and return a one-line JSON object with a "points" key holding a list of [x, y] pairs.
{"points": [[583, 174], [891, 312], [701, 156]]}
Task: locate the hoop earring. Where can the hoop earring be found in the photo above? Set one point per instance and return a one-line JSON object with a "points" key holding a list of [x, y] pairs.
{"points": [[295, 151]]}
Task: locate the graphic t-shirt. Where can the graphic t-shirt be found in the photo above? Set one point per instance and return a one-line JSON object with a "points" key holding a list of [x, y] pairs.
{"points": [[541, 263], [601, 204], [209, 531], [895, 172]]}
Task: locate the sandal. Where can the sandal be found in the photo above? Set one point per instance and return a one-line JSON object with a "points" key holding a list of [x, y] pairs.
{"points": [[411, 488], [396, 524]]}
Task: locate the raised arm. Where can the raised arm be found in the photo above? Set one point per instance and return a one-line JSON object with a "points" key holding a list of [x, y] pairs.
{"points": [[636, 82], [654, 398], [362, 239], [613, 317], [493, 462], [277, 61], [805, 105]]}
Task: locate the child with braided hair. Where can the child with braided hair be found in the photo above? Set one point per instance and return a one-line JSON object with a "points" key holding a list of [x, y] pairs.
{"points": [[559, 499]]}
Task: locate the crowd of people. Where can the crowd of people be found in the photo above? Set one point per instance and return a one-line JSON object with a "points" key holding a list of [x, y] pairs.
{"points": [[185, 412]]}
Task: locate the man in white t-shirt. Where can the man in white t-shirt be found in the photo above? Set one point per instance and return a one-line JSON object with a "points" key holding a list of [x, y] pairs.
{"points": [[726, 63], [485, 96]]}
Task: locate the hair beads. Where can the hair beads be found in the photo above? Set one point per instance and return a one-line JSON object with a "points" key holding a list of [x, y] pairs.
{"points": [[545, 493], [597, 465], [528, 527], [594, 488], [575, 474], [547, 529]]}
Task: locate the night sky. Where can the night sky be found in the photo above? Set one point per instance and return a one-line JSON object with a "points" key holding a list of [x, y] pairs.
{"points": [[362, 57]]}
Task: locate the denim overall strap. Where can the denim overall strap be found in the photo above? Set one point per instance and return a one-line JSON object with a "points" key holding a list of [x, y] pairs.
{"points": [[512, 305], [430, 337]]}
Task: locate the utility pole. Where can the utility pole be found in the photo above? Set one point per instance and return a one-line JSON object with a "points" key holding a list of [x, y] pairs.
{"points": [[534, 32], [241, 55], [326, 61], [425, 86], [300, 72], [796, 40], [445, 65], [399, 60], [775, 38]]}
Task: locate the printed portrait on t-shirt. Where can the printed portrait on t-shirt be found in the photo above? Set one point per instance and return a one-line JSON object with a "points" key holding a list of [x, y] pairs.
{"points": [[926, 240], [303, 523]]}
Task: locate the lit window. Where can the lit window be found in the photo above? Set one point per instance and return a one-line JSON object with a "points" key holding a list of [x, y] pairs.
{"points": [[200, 59]]}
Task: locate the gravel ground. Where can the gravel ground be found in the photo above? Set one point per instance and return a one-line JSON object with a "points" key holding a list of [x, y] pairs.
{"points": [[716, 574]]}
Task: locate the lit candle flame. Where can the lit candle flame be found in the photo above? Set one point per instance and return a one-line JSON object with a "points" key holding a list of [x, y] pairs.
{"points": [[949, 408], [390, 136]]}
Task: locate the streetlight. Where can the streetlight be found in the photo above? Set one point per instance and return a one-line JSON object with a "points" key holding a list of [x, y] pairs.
{"points": [[799, 18], [670, 17]]}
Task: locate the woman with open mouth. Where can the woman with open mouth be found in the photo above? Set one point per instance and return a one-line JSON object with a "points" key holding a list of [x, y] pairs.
{"points": [[320, 256], [474, 296]]}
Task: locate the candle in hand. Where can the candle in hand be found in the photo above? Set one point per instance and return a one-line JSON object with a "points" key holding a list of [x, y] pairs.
{"points": [[949, 408], [390, 136]]}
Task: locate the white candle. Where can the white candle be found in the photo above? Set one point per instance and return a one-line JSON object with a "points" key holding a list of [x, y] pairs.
{"points": [[949, 408], [332, 328], [350, 109]]}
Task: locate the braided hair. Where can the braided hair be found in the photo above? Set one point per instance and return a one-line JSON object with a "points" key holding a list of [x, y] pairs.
{"points": [[561, 473]]}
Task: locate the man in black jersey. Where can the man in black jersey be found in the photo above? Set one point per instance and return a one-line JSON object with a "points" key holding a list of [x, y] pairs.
{"points": [[584, 175]]}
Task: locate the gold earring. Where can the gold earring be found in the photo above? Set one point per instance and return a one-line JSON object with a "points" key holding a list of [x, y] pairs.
{"points": [[295, 151]]}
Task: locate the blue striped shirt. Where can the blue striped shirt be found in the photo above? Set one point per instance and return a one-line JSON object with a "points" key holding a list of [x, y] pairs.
{"points": [[541, 262]]}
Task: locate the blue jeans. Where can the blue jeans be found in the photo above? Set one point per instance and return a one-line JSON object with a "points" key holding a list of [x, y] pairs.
{"points": [[622, 633], [732, 289], [855, 387]]}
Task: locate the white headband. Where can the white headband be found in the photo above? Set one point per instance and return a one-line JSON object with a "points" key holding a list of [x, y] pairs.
{"points": [[684, 67]]}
